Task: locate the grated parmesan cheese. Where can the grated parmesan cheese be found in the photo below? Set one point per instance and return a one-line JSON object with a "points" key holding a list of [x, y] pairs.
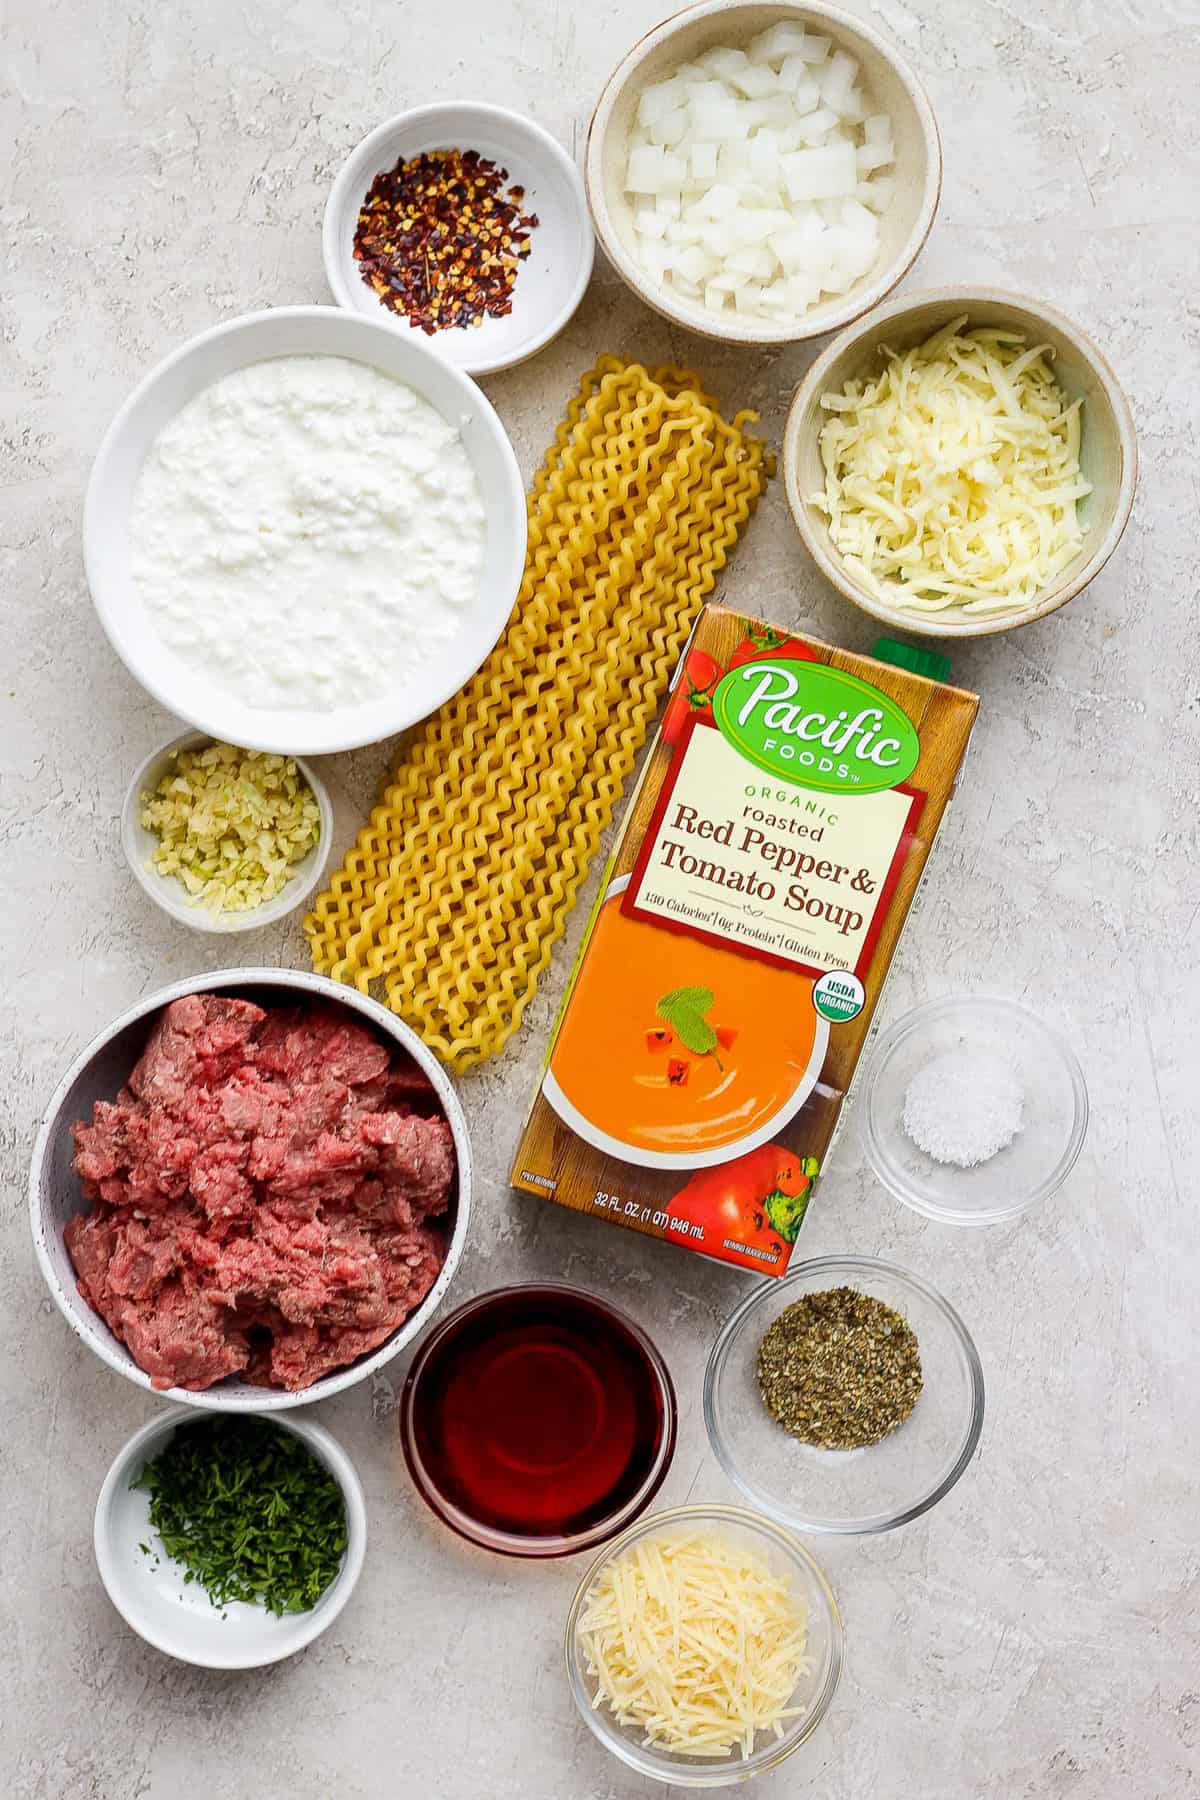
{"points": [[952, 478], [694, 1640]]}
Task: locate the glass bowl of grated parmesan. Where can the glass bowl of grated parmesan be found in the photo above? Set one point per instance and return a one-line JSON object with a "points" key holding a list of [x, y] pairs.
{"points": [[972, 1110], [703, 1646]]}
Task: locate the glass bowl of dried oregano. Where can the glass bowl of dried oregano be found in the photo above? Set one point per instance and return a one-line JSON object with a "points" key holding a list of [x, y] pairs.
{"points": [[845, 1398]]}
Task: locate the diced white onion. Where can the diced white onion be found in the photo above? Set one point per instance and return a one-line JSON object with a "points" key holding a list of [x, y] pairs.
{"points": [[704, 162], [733, 162], [644, 173], [724, 63], [648, 223], [873, 156], [780, 41], [716, 118], [755, 81], [796, 80], [657, 101], [818, 126], [821, 172], [837, 80], [776, 110], [753, 175], [670, 128]]}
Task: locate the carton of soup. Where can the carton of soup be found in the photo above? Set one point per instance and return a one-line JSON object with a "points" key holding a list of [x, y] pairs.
{"points": [[743, 934]]}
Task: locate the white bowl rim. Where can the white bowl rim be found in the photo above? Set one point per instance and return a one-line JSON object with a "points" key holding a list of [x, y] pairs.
{"points": [[473, 399], [722, 1772], [987, 625], [591, 1134], [197, 917], [348, 175], [841, 1266], [316, 1437], [257, 1400], [971, 1004], [759, 333]]}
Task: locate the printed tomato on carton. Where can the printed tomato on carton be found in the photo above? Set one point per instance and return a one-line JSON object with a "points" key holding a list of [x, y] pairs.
{"points": [[764, 640], [750, 1209], [691, 697]]}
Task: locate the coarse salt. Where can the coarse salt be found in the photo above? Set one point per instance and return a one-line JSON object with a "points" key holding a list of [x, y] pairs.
{"points": [[964, 1107]]}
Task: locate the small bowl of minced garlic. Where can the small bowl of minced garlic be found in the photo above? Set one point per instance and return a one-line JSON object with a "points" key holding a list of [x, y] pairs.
{"points": [[225, 839]]}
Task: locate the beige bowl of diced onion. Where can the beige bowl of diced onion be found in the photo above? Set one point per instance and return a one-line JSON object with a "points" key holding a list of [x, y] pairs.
{"points": [[884, 112], [1106, 455], [169, 891]]}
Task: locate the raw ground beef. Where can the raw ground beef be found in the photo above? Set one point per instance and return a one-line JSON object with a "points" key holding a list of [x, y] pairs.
{"points": [[261, 1195]]}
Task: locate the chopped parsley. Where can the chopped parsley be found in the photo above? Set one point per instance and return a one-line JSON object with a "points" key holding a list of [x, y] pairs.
{"points": [[248, 1511]]}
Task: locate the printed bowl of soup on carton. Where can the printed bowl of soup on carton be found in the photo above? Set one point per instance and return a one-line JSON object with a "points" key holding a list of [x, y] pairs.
{"points": [[718, 1068], [730, 969]]}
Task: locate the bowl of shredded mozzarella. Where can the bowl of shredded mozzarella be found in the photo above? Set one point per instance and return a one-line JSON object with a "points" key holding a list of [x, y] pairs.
{"points": [[961, 463], [704, 1646], [762, 173]]}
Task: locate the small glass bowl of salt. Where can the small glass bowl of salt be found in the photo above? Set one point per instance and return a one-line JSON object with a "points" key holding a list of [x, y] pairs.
{"points": [[972, 1109]]}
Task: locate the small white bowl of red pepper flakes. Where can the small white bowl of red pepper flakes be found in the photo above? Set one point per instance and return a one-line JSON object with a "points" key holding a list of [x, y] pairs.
{"points": [[466, 224]]}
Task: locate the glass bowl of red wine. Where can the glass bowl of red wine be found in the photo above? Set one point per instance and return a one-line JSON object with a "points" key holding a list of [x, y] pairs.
{"points": [[538, 1420]]}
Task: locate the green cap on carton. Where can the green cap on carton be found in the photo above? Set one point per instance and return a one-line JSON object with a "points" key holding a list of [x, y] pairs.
{"points": [[929, 663]]}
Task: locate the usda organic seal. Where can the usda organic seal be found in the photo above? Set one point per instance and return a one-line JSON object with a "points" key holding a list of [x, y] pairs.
{"points": [[839, 995]]}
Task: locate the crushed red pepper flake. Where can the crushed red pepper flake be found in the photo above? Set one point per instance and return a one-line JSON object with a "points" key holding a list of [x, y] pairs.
{"points": [[441, 240]]}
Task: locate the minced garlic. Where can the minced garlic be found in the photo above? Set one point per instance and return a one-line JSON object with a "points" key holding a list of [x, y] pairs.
{"points": [[232, 824], [951, 478]]}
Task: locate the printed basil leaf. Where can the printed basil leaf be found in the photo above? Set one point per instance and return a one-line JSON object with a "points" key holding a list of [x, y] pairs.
{"points": [[683, 1009], [695, 1033], [692, 999]]}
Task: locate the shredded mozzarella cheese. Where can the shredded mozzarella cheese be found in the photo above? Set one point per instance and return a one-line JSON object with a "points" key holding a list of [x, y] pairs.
{"points": [[952, 478], [693, 1639]]}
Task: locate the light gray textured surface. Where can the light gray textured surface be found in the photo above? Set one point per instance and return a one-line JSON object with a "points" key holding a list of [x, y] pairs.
{"points": [[1037, 1634]]}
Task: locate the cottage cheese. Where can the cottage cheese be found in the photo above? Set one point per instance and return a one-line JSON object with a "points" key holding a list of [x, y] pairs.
{"points": [[307, 533]]}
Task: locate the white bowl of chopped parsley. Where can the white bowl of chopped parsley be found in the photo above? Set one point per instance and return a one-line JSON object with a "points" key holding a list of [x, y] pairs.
{"points": [[230, 1541]]}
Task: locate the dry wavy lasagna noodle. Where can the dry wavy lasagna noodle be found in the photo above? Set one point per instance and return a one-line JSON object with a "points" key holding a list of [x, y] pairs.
{"points": [[461, 881]]}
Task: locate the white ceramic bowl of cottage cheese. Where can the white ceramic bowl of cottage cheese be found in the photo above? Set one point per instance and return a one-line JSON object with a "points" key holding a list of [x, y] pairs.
{"points": [[303, 531]]}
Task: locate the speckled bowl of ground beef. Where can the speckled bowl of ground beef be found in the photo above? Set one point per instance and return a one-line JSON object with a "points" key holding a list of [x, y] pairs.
{"points": [[252, 1190]]}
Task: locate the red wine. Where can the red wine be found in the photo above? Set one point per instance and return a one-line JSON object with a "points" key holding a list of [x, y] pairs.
{"points": [[537, 1412]]}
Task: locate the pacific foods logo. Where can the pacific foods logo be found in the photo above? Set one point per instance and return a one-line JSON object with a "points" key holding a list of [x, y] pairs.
{"points": [[816, 726]]}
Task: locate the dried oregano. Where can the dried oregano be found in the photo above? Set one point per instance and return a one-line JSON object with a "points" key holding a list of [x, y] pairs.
{"points": [[839, 1369]]}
